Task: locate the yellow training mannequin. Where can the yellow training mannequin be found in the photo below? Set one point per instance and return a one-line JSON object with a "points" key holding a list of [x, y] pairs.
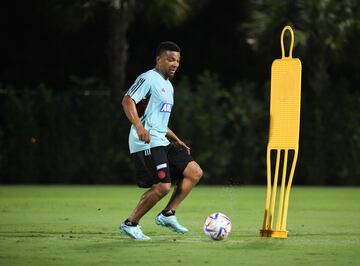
{"points": [[283, 135]]}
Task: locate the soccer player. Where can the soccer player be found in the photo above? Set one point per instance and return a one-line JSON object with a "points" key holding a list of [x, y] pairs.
{"points": [[161, 158]]}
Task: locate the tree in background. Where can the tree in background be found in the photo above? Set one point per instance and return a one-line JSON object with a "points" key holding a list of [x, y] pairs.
{"points": [[82, 38]]}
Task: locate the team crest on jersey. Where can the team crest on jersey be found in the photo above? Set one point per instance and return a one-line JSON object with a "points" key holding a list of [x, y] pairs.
{"points": [[166, 107]]}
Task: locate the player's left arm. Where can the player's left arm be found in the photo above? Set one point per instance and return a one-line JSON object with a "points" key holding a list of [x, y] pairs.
{"points": [[173, 138]]}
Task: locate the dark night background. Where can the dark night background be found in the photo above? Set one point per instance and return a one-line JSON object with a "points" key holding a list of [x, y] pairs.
{"points": [[64, 66]]}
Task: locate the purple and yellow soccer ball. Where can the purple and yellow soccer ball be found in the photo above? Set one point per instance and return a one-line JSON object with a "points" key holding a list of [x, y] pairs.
{"points": [[217, 226]]}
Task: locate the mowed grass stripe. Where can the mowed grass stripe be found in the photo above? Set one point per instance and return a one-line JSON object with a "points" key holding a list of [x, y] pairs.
{"points": [[78, 225]]}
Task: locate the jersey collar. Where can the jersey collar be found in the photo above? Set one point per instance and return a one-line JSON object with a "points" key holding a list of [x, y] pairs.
{"points": [[161, 74]]}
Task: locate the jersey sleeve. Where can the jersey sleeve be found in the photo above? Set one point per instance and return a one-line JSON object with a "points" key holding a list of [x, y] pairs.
{"points": [[140, 89]]}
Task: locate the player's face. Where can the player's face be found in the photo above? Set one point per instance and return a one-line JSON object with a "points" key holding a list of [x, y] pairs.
{"points": [[168, 62]]}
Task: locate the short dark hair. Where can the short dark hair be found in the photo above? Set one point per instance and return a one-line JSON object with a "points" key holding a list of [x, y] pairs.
{"points": [[167, 46]]}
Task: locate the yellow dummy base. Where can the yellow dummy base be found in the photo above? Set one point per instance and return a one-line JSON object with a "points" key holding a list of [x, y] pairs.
{"points": [[273, 233]]}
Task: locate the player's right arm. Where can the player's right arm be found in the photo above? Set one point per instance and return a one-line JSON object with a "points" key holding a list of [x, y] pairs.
{"points": [[131, 113]]}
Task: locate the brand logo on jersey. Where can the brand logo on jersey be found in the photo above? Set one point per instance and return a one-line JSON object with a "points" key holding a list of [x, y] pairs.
{"points": [[166, 107], [163, 90]]}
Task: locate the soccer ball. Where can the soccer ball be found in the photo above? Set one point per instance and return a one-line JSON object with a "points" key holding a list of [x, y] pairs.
{"points": [[217, 226]]}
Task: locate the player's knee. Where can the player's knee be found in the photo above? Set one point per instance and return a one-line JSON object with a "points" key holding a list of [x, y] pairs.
{"points": [[198, 174], [194, 172]]}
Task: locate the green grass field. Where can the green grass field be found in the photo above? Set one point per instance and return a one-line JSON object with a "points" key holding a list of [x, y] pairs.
{"points": [[78, 225]]}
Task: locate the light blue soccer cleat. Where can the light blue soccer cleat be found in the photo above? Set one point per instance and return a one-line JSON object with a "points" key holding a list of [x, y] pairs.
{"points": [[170, 222], [133, 231]]}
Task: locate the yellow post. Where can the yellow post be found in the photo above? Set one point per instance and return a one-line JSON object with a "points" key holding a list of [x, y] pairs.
{"points": [[284, 130]]}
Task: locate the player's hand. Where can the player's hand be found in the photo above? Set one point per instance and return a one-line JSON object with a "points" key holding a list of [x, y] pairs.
{"points": [[142, 133], [183, 146]]}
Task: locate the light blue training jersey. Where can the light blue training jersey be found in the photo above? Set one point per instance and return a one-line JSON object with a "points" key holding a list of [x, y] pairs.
{"points": [[154, 98]]}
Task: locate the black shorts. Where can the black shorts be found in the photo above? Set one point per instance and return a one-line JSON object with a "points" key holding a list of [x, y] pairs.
{"points": [[163, 164]]}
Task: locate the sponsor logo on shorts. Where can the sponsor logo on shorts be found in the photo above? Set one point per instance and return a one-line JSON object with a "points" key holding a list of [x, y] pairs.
{"points": [[161, 174], [161, 166], [166, 107]]}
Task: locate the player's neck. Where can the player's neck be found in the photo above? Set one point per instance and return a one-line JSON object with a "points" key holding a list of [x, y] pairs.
{"points": [[161, 73]]}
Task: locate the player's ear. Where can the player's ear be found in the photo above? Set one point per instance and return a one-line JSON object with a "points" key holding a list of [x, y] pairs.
{"points": [[158, 59]]}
